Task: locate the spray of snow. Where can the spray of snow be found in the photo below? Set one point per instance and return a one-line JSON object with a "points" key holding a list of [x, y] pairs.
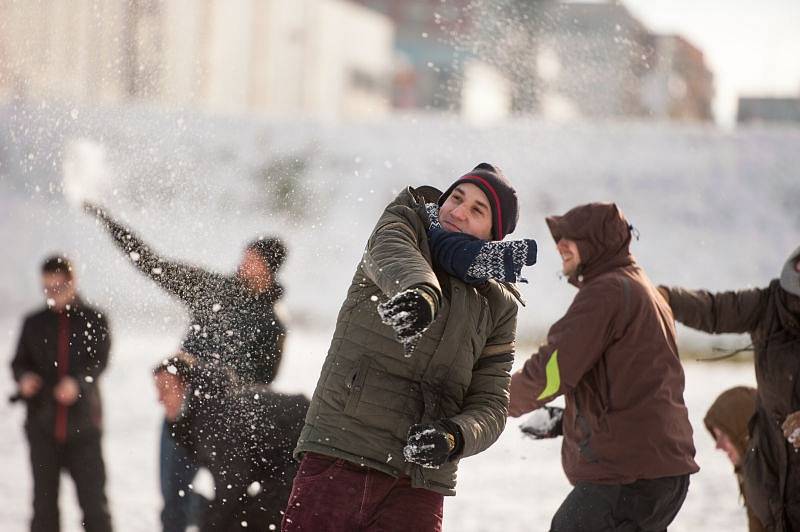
{"points": [[86, 172]]}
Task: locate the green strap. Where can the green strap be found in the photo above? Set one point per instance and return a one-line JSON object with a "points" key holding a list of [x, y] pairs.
{"points": [[553, 377]]}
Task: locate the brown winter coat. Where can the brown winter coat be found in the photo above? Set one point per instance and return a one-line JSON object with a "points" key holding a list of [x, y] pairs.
{"points": [[771, 467], [730, 413], [369, 393], [613, 356]]}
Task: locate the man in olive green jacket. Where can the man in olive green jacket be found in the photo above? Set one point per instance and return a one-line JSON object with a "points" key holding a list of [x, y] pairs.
{"points": [[390, 419]]}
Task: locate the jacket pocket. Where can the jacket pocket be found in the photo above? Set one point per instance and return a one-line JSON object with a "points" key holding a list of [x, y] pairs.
{"points": [[354, 384]]}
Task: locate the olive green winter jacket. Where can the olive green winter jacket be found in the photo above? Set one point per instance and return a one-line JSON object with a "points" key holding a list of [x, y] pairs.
{"points": [[369, 393]]}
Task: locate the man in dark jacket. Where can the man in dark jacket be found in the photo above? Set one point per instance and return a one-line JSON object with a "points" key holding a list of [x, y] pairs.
{"points": [[62, 351], [232, 322], [243, 435], [417, 374], [771, 315], [727, 421], [627, 446]]}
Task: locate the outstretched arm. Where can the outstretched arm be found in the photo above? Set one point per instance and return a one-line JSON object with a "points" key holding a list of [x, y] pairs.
{"points": [[179, 279], [574, 345], [721, 312]]}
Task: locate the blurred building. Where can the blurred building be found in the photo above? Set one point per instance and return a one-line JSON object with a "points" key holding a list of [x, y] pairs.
{"points": [[678, 85], [591, 60], [440, 63], [276, 57], [764, 109]]}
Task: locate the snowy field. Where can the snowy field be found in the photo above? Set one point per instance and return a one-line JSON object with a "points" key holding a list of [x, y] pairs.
{"points": [[515, 486], [715, 209]]}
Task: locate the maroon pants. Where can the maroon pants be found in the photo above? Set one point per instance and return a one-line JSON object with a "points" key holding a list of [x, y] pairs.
{"points": [[332, 495]]}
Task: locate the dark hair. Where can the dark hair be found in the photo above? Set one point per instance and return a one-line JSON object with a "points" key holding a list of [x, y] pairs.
{"points": [[57, 264], [180, 364], [271, 250]]}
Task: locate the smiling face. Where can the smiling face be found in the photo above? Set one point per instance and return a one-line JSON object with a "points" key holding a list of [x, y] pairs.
{"points": [[467, 210], [570, 256]]}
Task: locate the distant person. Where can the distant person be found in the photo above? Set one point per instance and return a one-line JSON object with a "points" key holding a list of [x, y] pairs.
{"points": [[62, 351], [417, 374], [232, 321], [627, 448], [727, 420], [771, 315], [243, 435]]}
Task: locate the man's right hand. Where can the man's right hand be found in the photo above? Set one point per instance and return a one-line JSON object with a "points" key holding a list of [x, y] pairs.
{"points": [[409, 313], [29, 385]]}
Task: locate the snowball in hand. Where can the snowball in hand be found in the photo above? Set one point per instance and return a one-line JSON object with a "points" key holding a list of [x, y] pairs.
{"points": [[85, 171]]}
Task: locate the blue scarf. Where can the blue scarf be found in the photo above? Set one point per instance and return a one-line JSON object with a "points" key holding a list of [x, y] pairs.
{"points": [[475, 261]]}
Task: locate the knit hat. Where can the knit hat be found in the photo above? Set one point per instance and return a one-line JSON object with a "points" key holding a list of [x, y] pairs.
{"points": [[501, 195], [790, 277], [271, 250]]}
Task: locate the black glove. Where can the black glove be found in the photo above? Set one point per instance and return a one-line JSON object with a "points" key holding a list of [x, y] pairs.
{"points": [[545, 422], [409, 313], [432, 444]]}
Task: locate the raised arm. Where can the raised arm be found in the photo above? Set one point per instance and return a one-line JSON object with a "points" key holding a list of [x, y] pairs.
{"points": [[721, 312], [179, 279], [393, 260]]}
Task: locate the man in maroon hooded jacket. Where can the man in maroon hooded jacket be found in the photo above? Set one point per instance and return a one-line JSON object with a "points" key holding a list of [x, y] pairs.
{"points": [[627, 446]]}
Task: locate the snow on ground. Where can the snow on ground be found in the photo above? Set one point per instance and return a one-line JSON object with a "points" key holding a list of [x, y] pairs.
{"points": [[515, 486]]}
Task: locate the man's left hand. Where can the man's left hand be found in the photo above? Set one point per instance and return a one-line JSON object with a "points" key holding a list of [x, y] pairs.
{"points": [[791, 429], [431, 444]]}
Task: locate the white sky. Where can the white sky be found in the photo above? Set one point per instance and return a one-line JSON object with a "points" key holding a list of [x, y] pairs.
{"points": [[752, 46]]}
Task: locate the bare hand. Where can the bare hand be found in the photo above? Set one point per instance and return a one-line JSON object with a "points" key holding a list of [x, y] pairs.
{"points": [[791, 428], [29, 385], [66, 391]]}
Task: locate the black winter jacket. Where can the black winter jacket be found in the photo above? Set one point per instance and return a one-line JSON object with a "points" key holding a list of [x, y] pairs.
{"points": [[241, 435], [229, 323], [771, 467], [76, 343]]}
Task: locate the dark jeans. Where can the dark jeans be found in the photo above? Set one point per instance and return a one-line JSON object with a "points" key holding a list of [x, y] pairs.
{"points": [[182, 507], [83, 459], [332, 495], [645, 505]]}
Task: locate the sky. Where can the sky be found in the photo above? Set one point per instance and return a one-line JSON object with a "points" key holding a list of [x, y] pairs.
{"points": [[753, 47]]}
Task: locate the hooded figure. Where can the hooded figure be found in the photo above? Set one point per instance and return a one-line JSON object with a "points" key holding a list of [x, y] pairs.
{"points": [[628, 447], [727, 421], [770, 469]]}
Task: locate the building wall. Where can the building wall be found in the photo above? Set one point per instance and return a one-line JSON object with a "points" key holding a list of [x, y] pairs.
{"points": [[275, 57]]}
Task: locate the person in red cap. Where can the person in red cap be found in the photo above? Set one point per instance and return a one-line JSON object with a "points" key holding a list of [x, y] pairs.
{"points": [[417, 374]]}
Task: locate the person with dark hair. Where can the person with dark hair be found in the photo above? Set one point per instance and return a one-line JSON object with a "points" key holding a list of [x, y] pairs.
{"points": [[232, 322], [628, 448], [62, 351], [418, 370], [244, 435], [726, 421], [770, 469]]}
